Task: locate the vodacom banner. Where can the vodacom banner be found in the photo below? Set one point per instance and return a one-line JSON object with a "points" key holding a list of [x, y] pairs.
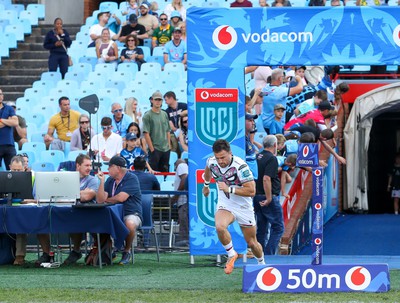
{"points": [[222, 42]]}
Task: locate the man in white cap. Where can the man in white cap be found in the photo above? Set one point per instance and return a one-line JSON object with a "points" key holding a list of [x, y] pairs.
{"points": [[149, 21]]}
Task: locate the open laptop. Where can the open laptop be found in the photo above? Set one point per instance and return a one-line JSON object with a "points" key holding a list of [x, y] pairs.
{"points": [[58, 188]]}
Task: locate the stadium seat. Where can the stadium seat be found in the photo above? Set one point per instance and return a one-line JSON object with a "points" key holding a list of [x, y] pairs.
{"points": [[124, 76], [108, 6], [10, 15], [81, 67], [70, 85], [146, 51], [26, 25], [178, 67], [158, 59], [31, 16], [259, 137], [137, 92], [44, 85], [210, 4], [91, 60], [37, 136], [75, 76], [53, 76], [108, 92], [148, 224], [83, 36], [37, 147], [158, 51], [9, 39], [75, 153], [167, 185], [43, 166], [4, 50], [119, 85], [184, 155], [39, 9], [128, 67], [17, 29], [52, 156], [91, 85], [90, 20], [50, 100], [147, 42], [34, 94], [59, 92], [6, 4], [37, 118], [173, 156], [153, 68], [32, 157], [105, 69]]}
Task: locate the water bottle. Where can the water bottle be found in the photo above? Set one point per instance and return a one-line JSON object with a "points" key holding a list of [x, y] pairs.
{"points": [[51, 254]]}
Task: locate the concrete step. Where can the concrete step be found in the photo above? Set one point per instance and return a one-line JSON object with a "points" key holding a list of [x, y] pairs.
{"points": [[15, 88], [28, 63], [22, 71], [21, 55], [18, 80], [31, 46]]}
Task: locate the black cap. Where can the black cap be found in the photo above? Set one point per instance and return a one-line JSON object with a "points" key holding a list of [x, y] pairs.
{"points": [[118, 161], [133, 18], [251, 117], [325, 105]]}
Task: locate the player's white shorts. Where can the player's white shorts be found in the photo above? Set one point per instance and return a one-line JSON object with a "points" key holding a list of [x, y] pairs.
{"points": [[396, 193], [244, 214]]}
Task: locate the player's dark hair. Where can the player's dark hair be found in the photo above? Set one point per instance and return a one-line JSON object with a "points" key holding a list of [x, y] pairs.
{"points": [[221, 145]]}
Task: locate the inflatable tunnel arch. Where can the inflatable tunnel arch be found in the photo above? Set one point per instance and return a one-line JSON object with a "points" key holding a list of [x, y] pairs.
{"points": [[357, 139]]}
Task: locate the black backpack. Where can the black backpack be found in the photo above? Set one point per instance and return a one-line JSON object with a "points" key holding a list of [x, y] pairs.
{"points": [[7, 249]]}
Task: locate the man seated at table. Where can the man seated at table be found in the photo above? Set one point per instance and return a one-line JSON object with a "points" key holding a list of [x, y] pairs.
{"points": [[122, 186], [89, 187]]}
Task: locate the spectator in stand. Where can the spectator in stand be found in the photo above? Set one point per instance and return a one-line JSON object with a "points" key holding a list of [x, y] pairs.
{"points": [[81, 136], [147, 180], [241, 3], [181, 174], [284, 169], [132, 53], [88, 188], [134, 128], [182, 132], [131, 109], [26, 161], [135, 29], [261, 75], [175, 50], [8, 120], [106, 49], [175, 6], [122, 187], [149, 21], [281, 3], [19, 132], [311, 104], [120, 121], [163, 33], [132, 151], [132, 8], [64, 123], [154, 9], [57, 41], [182, 25], [96, 30], [300, 70], [336, 3], [317, 3], [251, 149], [394, 183], [157, 133], [175, 18], [263, 3], [174, 111], [106, 144], [276, 126], [276, 93]]}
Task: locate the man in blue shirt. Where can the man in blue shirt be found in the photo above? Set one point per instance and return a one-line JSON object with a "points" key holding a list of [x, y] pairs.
{"points": [[175, 50], [88, 188], [120, 122], [147, 181], [122, 186], [8, 120]]}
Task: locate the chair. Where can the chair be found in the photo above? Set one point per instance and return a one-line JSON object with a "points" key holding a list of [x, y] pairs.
{"points": [[71, 85], [158, 59], [82, 67], [259, 137], [119, 85], [153, 68], [43, 166], [105, 69], [17, 29], [37, 136], [39, 9], [146, 51], [4, 49], [59, 92], [178, 67], [53, 76], [108, 6], [36, 118], [34, 147], [108, 92], [31, 16], [125, 76], [91, 60], [10, 39], [9, 15], [173, 156], [158, 51], [167, 185], [147, 42], [75, 153], [52, 156], [148, 224], [45, 85], [128, 67], [184, 155], [17, 7], [83, 36]]}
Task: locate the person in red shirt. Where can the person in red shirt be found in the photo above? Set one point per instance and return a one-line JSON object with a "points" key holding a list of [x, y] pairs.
{"points": [[241, 3]]}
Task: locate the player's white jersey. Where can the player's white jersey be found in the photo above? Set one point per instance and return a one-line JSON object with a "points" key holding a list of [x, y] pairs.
{"points": [[235, 174]]}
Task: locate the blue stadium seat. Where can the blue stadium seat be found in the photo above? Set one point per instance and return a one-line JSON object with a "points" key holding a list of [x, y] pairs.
{"points": [[39, 9], [37, 136], [158, 59], [90, 85], [17, 29], [44, 85], [9, 39], [81, 67], [43, 166], [37, 118], [37, 147], [6, 3], [50, 100], [124, 76], [178, 67], [105, 69], [32, 157], [158, 51], [26, 26], [75, 76], [53, 76], [83, 36], [75, 153], [211, 4], [146, 51], [17, 7], [151, 67], [45, 109], [128, 67], [31, 16], [70, 85], [34, 94], [108, 92], [91, 60], [147, 42], [137, 92], [52, 156], [4, 50], [119, 85], [108, 6], [90, 20], [59, 92], [10, 15]]}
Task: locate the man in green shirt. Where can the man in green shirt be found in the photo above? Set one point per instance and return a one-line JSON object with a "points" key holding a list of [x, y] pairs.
{"points": [[163, 33], [156, 131]]}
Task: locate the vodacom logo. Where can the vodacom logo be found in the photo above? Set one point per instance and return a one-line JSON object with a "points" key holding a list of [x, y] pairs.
{"points": [[269, 279], [358, 278], [224, 37], [396, 35], [204, 95]]}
